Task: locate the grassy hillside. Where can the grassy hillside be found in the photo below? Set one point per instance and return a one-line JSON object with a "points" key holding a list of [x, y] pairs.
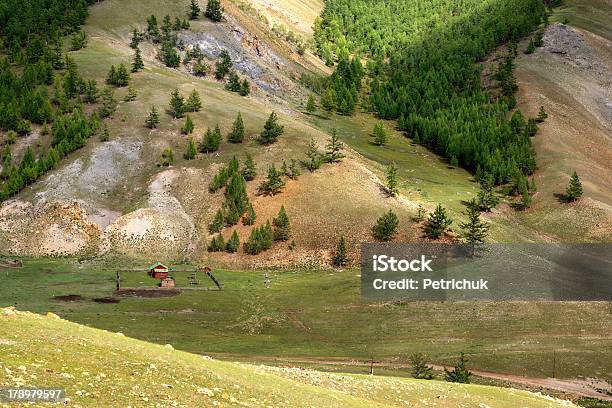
{"points": [[103, 368], [320, 315]]}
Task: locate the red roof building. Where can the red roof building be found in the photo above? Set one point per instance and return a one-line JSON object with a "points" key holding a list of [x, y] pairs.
{"points": [[158, 271]]}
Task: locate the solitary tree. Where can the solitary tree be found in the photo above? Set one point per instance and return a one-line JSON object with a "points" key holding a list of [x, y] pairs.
{"points": [[542, 115], [474, 231], [386, 226], [191, 152], [249, 172], [188, 127], [131, 94], [237, 133], [194, 103], [340, 258], [460, 374], [314, 157], [214, 11], [333, 152], [177, 105], [194, 10], [272, 130], [437, 223], [420, 369], [311, 105], [380, 134], [153, 119], [223, 65], [392, 181], [530, 48], [274, 182], [574, 189], [138, 64], [282, 227], [167, 157]]}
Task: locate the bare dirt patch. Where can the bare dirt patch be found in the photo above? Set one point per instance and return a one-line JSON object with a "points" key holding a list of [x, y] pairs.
{"points": [[106, 300], [148, 293], [68, 298]]}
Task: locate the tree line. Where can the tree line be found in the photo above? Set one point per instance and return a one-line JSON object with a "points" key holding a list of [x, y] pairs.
{"points": [[424, 73]]}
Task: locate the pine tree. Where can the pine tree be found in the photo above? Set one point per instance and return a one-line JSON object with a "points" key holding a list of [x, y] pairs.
{"points": [[333, 152], [460, 374], [474, 231], [237, 133], [272, 130], [250, 217], [249, 172], [340, 258], [233, 243], [294, 171], [314, 157], [392, 180], [223, 65], [217, 244], [153, 119], [177, 105], [245, 88], [167, 157], [542, 115], [487, 198], [6, 162], [311, 105], [214, 11], [574, 189], [153, 29], [123, 76], [526, 199], [420, 369], [420, 214], [136, 38], [218, 222], [194, 10], [131, 95], [194, 103], [380, 134], [191, 152], [111, 77], [109, 103], [169, 55], [437, 223], [386, 226], [233, 82], [138, 64], [105, 133], [188, 127], [211, 142], [274, 182], [282, 227], [328, 100]]}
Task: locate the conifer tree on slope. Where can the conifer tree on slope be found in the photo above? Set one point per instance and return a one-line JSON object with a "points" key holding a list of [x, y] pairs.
{"points": [[437, 223], [474, 231], [574, 189], [214, 11], [272, 130]]}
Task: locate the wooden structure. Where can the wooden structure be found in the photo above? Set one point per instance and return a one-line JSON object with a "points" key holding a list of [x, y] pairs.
{"points": [[158, 271], [167, 282], [208, 272]]}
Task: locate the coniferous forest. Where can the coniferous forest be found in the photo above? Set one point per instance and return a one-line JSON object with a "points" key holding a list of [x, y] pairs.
{"points": [[40, 85], [423, 68]]}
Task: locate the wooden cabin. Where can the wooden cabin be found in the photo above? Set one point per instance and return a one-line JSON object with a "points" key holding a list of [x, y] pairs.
{"points": [[158, 271]]}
